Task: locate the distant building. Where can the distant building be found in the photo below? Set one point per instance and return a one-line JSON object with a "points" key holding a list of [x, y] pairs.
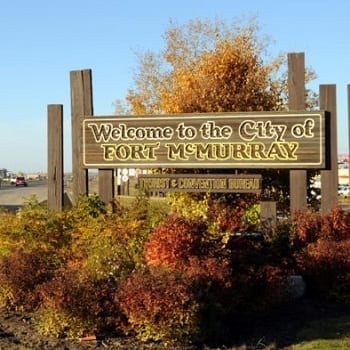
{"points": [[3, 173], [343, 170]]}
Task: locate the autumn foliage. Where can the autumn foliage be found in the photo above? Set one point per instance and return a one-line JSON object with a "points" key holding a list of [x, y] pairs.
{"points": [[322, 254], [161, 273], [207, 67]]}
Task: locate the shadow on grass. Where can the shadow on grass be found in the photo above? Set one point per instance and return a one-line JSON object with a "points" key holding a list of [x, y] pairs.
{"points": [[332, 333], [304, 325]]}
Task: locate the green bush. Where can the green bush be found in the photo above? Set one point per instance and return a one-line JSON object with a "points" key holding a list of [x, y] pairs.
{"points": [[111, 246], [55, 322], [34, 228]]}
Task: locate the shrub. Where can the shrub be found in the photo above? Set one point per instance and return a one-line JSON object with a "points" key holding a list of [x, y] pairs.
{"points": [[306, 227], [34, 228], [230, 213], [279, 249], [89, 206], [159, 306], [179, 245], [321, 250], [336, 224], [75, 305], [53, 322], [258, 282], [173, 241], [115, 251], [225, 280], [110, 246], [325, 265], [20, 273], [189, 205], [252, 215]]}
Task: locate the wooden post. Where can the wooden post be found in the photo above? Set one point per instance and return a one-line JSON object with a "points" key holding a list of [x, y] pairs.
{"points": [[106, 185], [81, 105], [296, 102], [348, 154], [55, 157], [268, 218], [329, 178]]}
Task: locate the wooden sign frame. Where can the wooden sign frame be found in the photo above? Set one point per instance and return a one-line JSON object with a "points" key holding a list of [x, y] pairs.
{"points": [[294, 140]]}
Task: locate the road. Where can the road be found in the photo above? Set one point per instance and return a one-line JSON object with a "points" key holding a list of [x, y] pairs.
{"points": [[12, 197]]}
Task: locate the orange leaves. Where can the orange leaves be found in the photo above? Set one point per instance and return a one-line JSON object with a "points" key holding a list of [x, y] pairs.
{"points": [[311, 226], [336, 224], [158, 306], [206, 67], [322, 246], [227, 78], [171, 244]]}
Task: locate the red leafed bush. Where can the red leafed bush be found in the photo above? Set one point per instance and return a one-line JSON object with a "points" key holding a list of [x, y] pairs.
{"points": [[325, 265], [309, 226], [173, 242], [259, 288], [178, 245], [85, 299], [229, 217], [20, 273], [211, 270], [321, 251], [158, 306], [336, 225], [306, 228]]}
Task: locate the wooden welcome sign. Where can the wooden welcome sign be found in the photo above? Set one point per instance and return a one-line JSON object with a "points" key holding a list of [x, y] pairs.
{"points": [[227, 140]]}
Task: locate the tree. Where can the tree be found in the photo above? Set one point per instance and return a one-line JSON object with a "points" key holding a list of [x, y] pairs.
{"points": [[208, 67], [212, 67]]}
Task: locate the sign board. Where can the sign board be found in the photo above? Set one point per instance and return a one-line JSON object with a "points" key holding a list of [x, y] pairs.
{"points": [[242, 183], [220, 140]]}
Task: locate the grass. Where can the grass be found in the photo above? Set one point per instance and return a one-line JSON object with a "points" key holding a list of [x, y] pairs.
{"points": [[325, 335], [317, 327], [323, 344]]}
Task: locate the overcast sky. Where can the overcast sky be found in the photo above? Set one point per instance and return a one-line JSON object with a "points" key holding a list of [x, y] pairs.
{"points": [[42, 41]]}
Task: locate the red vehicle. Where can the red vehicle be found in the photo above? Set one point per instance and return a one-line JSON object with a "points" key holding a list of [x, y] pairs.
{"points": [[21, 181]]}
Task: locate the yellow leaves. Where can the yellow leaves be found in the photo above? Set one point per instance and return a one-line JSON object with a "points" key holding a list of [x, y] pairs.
{"points": [[187, 206], [205, 67], [221, 80], [211, 67]]}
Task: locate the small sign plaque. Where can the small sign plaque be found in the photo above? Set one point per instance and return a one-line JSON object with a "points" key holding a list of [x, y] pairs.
{"points": [[244, 183]]}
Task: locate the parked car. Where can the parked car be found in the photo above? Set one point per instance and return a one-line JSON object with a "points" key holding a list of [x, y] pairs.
{"points": [[21, 181]]}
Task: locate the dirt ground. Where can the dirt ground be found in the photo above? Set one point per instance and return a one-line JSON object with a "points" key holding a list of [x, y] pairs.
{"points": [[280, 328]]}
